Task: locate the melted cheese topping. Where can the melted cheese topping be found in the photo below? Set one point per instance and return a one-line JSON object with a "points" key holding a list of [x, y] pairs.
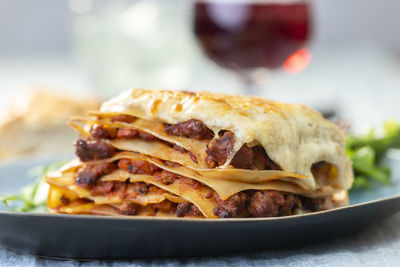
{"points": [[294, 136]]}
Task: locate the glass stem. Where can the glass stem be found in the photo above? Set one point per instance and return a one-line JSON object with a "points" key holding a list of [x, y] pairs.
{"points": [[252, 81], [249, 87]]}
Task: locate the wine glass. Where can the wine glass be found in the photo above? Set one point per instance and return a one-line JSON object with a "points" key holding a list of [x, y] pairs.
{"points": [[251, 36]]}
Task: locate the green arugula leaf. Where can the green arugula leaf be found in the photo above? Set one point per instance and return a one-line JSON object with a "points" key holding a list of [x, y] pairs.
{"points": [[361, 182], [32, 198], [8, 200], [366, 152]]}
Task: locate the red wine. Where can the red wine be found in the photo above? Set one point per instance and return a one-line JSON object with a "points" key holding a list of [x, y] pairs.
{"points": [[241, 35]]}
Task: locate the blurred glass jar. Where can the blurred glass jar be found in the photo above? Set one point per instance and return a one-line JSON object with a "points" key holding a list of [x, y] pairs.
{"points": [[142, 43]]}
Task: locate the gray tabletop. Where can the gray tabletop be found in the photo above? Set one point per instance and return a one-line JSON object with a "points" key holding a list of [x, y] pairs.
{"points": [[377, 245]]}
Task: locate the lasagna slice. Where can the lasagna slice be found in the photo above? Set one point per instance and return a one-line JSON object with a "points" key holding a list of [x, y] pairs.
{"points": [[205, 155]]}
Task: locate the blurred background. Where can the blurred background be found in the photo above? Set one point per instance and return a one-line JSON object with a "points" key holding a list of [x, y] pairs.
{"points": [[340, 57]]}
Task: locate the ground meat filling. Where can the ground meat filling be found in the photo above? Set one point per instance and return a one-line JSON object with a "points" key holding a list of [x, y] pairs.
{"points": [[88, 175], [235, 206], [136, 188], [219, 149], [244, 158], [102, 188], [102, 132], [165, 206], [93, 150], [187, 209], [146, 137], [127, 133], [191, 129], [271, 203], [264, 203], [137, 166], [179, 149], [129, 208], [166, 177]]}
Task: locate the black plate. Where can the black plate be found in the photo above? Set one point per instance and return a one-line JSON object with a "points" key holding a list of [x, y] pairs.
{"points": [[96, 237]]}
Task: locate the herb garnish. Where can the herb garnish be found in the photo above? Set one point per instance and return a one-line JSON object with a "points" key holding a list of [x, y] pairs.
{"points": [[32, 198], [367, 150]]}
